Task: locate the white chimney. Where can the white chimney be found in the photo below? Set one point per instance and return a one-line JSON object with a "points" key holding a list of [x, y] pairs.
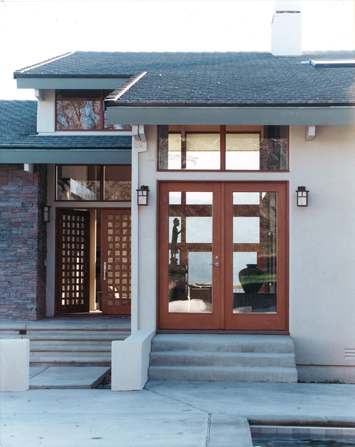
{"points": [[286, 29]]}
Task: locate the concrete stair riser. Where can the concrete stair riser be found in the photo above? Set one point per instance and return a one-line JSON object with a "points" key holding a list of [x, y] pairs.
{"points": [[223, 374], [223, 357], [187, 358], [199, 345], [49, 346], [60, 346]]}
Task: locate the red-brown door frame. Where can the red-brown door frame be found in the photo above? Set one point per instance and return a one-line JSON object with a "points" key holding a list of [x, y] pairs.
{"points": [[222, 318]]}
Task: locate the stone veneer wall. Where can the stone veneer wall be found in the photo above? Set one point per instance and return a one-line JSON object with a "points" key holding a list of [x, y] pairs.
{"points": [[23, 240]]}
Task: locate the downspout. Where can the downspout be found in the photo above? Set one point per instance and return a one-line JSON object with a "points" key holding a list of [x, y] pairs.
{"points": [[139, 144]]}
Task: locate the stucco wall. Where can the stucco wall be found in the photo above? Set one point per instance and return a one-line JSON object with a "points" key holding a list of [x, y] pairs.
{"points": [[322, 247], [22, 242], [322, 241]]}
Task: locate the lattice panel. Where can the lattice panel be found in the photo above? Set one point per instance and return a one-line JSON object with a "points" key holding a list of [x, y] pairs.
{"points": [[117, 298], [73, 254]]}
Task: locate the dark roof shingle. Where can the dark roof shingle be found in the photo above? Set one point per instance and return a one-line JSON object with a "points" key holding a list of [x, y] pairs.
{"points": [[18, 130], [240, 78]]}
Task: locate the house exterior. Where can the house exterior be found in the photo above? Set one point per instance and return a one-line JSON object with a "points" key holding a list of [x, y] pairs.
{"points": [[222, 141]]}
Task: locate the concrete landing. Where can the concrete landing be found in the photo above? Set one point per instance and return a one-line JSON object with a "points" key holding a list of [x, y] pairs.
{"points": [[173, 414], [66, 377]]}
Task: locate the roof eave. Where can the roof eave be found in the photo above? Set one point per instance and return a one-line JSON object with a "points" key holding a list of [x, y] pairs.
{"points": [[230, 115], [70, 82]]}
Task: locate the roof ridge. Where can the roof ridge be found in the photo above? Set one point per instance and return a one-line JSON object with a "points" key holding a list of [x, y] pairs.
{"points": [[116, 94], [53, 59]]}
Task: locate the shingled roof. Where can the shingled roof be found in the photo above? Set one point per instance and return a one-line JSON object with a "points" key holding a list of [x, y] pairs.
{"points": [[18, 130], [239, 78]]}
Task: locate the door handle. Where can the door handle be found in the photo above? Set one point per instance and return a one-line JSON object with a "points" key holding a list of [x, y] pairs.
{"points": [[215, 263], [104, 271]]}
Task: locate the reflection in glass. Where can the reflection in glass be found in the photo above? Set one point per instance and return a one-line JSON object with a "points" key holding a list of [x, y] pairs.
{"points": [[202, 151], [246, 230], [175, 198], [117, 183], [254, 253], [78, 110], [82, 110], [78, 182], [199, 229], [246, 198], [246, 147], [243, 151], [190, 253], [199, 198], [180, 150]]}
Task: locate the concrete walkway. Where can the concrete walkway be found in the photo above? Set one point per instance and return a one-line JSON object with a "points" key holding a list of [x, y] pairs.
{"points": [[67, 377], [169, 414]]}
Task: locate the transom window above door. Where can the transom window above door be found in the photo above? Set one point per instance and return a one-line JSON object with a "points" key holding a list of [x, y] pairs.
{"points": [[223, 148], [93, 183], [83, 110]]}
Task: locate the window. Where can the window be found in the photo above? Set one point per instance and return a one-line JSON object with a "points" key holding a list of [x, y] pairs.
{"points": [[94, 183], [223, 148], [83, 110]]}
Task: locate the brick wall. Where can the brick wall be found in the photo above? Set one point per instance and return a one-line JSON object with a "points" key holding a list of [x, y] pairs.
{"points": [[23, 237]]}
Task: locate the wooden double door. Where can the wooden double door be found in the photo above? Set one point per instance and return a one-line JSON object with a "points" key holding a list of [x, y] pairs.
{"points": [[75, 262], [223, 257]]}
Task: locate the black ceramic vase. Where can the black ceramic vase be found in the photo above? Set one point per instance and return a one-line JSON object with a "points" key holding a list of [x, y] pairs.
{"points": [[251, 278]]}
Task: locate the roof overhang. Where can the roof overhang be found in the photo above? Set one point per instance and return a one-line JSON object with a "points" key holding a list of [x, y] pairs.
{"points": [[66, 156], [72, 83], [183, 115]]}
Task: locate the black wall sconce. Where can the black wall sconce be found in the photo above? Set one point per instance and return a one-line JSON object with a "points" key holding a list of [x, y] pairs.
{"points": [[46, 213], [302, 196], [142, 195]]}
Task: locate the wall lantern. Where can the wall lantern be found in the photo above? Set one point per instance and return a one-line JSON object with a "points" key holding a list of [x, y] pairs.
{"points": [[46, 213], [302, 196], [142, 195]]}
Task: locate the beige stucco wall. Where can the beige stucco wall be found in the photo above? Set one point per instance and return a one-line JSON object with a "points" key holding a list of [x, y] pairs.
{"points": [[322, 248], [322, 243]]}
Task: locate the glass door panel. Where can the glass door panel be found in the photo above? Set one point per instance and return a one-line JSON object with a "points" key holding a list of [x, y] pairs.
{"points": [[255, 241], [223, 256], [189, 255], [190, 252], [254, 252]]}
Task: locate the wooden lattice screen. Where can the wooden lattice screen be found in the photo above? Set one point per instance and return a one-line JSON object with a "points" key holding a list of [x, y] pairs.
{"points": [[116, 262], [73, 257]]}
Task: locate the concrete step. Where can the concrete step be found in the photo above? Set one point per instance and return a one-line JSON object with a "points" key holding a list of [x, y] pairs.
{"points": [[223, 374], [223, 343], [79, 337], [70, 360], [68, 341], [203, 358], [78, 332], [80, 350], [81, 342], [223, 357]]}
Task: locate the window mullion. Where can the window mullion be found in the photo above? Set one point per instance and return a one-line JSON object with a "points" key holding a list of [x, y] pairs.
{"points": [[101, 110], [223, 147]]}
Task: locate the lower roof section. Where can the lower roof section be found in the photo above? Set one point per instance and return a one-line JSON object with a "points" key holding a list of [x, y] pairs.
{"points": [[66, 156], [272, 116]]}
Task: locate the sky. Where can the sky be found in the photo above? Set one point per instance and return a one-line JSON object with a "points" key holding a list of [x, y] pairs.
{"points": [[33, 31]]}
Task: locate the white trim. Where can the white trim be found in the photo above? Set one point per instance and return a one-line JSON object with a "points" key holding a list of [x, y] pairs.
{"points": [[41, 64]]}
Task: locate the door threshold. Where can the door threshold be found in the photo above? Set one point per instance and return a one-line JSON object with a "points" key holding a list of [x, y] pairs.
{"points": [[90, 314], [219, 331]]}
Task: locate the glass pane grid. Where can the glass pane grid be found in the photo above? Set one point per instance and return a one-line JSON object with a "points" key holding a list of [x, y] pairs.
{"points": [[190, 252], [254, 252]]}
